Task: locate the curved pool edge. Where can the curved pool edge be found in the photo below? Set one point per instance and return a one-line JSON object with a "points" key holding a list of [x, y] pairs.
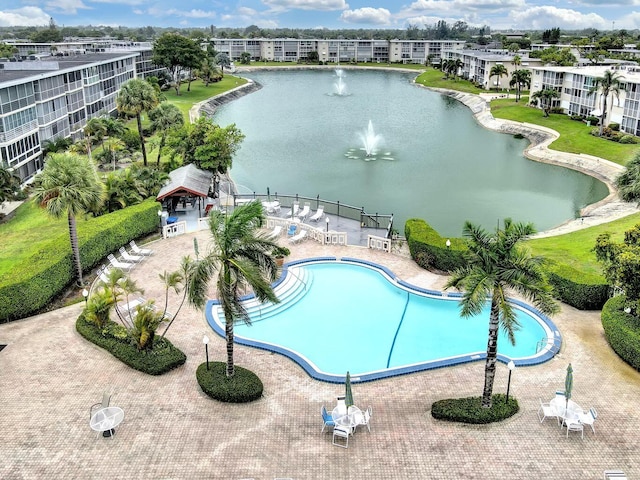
{"points": [[552, 347]]}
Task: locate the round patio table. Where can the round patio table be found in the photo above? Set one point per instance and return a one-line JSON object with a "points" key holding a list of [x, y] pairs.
{"points": [[106, 420]]}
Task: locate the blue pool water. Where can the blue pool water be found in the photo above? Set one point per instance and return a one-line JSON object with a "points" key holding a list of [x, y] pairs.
{"points": [[339, 316]]}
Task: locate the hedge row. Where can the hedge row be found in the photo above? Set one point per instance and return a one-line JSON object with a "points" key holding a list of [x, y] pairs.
{"points": [[162, 358], [245, 386], [38, 279], [622, 330], [572, 287], [470, 409]]}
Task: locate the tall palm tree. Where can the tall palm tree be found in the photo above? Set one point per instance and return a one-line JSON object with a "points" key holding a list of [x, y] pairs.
{"points": [[545, 96], [94, 129], [456, 65], [496, 266], [498, 71], [135, 97], [165, 117], [69, 184], [222, 59], [242, 257], [609, 83], [520, 78]]}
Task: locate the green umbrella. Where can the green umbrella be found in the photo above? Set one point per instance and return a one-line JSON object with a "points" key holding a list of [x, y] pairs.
{"points": [[568, 384], [348, 396]]}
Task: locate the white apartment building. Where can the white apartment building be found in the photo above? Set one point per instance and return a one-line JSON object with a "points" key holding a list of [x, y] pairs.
{"points": [[45, 100], [573, 85], [337, 51]]}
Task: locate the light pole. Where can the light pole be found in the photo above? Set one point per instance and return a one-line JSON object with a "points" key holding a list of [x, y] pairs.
{"points": [[205, 340], [160, 221], [448, 243], [85, 294], [511, 366], [326, 219]]}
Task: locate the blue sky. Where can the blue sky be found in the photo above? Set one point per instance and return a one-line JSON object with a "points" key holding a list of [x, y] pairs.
{"points": [[331, 14]]}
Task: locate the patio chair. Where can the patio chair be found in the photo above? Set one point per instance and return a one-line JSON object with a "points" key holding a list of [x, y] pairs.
{"points": [[589, 418], [340, 432], [127, 257], [318, 215], [292, 229], [295, 208], [138, 250], [574, 426], [118, 264], [546, 411], [277, 230], [304, 212], [106, 398], [298, 236], [614, 474], [326, 418]]}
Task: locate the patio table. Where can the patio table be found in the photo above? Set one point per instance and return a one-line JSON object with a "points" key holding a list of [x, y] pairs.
{"points": [[106, 420]]}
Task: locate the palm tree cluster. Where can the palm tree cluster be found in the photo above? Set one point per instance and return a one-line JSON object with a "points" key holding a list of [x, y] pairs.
{"points": [[609, 84], [131, 186], [451, 67]]}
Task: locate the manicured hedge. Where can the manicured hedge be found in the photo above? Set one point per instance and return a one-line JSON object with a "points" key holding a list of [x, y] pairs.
{"points": [[429, 250], [162, 358], [245, 386], [470, 410], [49, 270], [622, 330]]}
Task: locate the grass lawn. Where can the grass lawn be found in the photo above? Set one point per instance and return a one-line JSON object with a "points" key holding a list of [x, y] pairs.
{"points": [[433, 77], [574, 135]]}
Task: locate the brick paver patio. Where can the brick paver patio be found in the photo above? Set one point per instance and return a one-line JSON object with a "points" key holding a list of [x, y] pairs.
{"points": [[49, 376]]}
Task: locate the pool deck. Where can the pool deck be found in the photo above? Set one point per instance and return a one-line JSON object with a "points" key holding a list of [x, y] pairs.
{"points": [[49, 377]]}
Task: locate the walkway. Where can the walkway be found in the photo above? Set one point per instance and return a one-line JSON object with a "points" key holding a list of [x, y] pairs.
{"points": [[49, 376]]}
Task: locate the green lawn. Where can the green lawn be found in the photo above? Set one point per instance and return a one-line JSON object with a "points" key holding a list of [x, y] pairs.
{"points": [[574, 135], [433, 77]]}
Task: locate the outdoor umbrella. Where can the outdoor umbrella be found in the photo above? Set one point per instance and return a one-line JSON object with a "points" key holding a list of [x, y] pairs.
{"points": [[348, 396], [568, 384]]}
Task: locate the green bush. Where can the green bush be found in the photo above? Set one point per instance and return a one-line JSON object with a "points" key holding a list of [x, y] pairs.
{"points": [[245, 386], [470, 410], [161, 359], [614, 126], [622, 331], [577, 117], [628, 139], [48, 270], [131, 140], [557, 110], [593, 121], [430, 250], [577, 289]]}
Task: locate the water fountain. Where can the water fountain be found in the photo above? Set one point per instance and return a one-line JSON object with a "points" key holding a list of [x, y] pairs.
{"points": [[370, 140], [340, 88]]}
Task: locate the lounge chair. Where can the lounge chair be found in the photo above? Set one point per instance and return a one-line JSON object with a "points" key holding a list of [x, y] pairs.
{"points": [[614, 474], [318, 215], [326, 418], [304, 213], [292, 229], [118, 264], [298, 236], [277, 230], [127, 257], [589, 418], [295, 208], [138, 250]]}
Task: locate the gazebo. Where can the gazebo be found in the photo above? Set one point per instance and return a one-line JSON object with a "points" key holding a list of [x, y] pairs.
{"points": [[187, 184]]}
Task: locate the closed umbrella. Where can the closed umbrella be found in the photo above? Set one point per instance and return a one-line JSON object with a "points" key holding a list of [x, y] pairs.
{"points": [[568, 384], [348, 396]]}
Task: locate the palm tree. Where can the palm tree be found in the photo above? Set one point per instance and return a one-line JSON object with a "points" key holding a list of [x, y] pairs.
{"points": [[498, 71], [94, 129], [628, 182], [242, 258], [545, 97], [115, 198], [137, 96], [165, 117], [222, 59], [496, 266], [69, 184], [607, 84], [520, 78], [456, 65]]}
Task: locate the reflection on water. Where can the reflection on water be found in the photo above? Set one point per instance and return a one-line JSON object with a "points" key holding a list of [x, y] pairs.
{"points": [[446, 167]]}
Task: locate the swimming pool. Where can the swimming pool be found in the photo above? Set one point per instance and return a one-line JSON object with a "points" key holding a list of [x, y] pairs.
{"points": [[351, 315]]}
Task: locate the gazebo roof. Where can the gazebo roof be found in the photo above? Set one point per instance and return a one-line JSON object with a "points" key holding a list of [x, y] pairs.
{"points": [[187, 180]]}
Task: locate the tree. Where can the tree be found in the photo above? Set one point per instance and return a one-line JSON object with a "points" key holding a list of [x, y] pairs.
{"points": [[222, 59], [7, 51], [242, 257], [245, 57], [9, 185], [94, 129], [520, 78], [545, 97], [165, 117], [69, 184], [176, 53], [628, 182], [498, 71], [608, 84], [137, 96], [496, 266]]}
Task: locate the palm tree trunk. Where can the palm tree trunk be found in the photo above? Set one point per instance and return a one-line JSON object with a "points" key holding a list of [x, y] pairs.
{"points": [[73, 236], [228, 330], [144, 150], [604, 114], [162, 140], [492, 352]]}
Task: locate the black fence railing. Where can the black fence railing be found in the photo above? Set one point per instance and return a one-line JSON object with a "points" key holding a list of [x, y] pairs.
{"points": [[367, 220]]}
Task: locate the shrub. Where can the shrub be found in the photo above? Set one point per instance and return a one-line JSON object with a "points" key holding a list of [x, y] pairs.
{"points": [[622, 331], [131, 140], [243, 387], [614, 126], [429, 249], [577, 117], [628, 139], [161, 359], [577, 289], [470, 410], [556, 110], [593, 120]]}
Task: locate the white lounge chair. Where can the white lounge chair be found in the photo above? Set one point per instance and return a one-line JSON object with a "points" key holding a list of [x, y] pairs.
{"points": [[277, 230], [127, 257], [138, 250], [298, 236], [304, 213], [118, 264], [614, 474], [295, 208], [318, 215], [589, 418]]}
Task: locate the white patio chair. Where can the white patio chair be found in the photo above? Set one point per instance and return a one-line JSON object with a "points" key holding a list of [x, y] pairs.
{"points": [[118, 264], [318, 215], [365, 418], [138, 250], [304, 212], [589, 418], [547, 411], [127, 257], [295, 208], [106, 398], [298, 236], [277, 230], [340, 432], [574, 426]]}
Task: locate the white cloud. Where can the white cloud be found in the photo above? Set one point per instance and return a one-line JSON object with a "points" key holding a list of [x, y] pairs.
{"points": [[376, 16], [544, 17], [173, 12], [630, 21], [67, 7], [24, 17], [322, 5], [121, 2]]}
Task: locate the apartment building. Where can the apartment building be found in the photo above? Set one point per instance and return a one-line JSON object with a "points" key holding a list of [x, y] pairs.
{"points": [[574, 83], [43, 100]]}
